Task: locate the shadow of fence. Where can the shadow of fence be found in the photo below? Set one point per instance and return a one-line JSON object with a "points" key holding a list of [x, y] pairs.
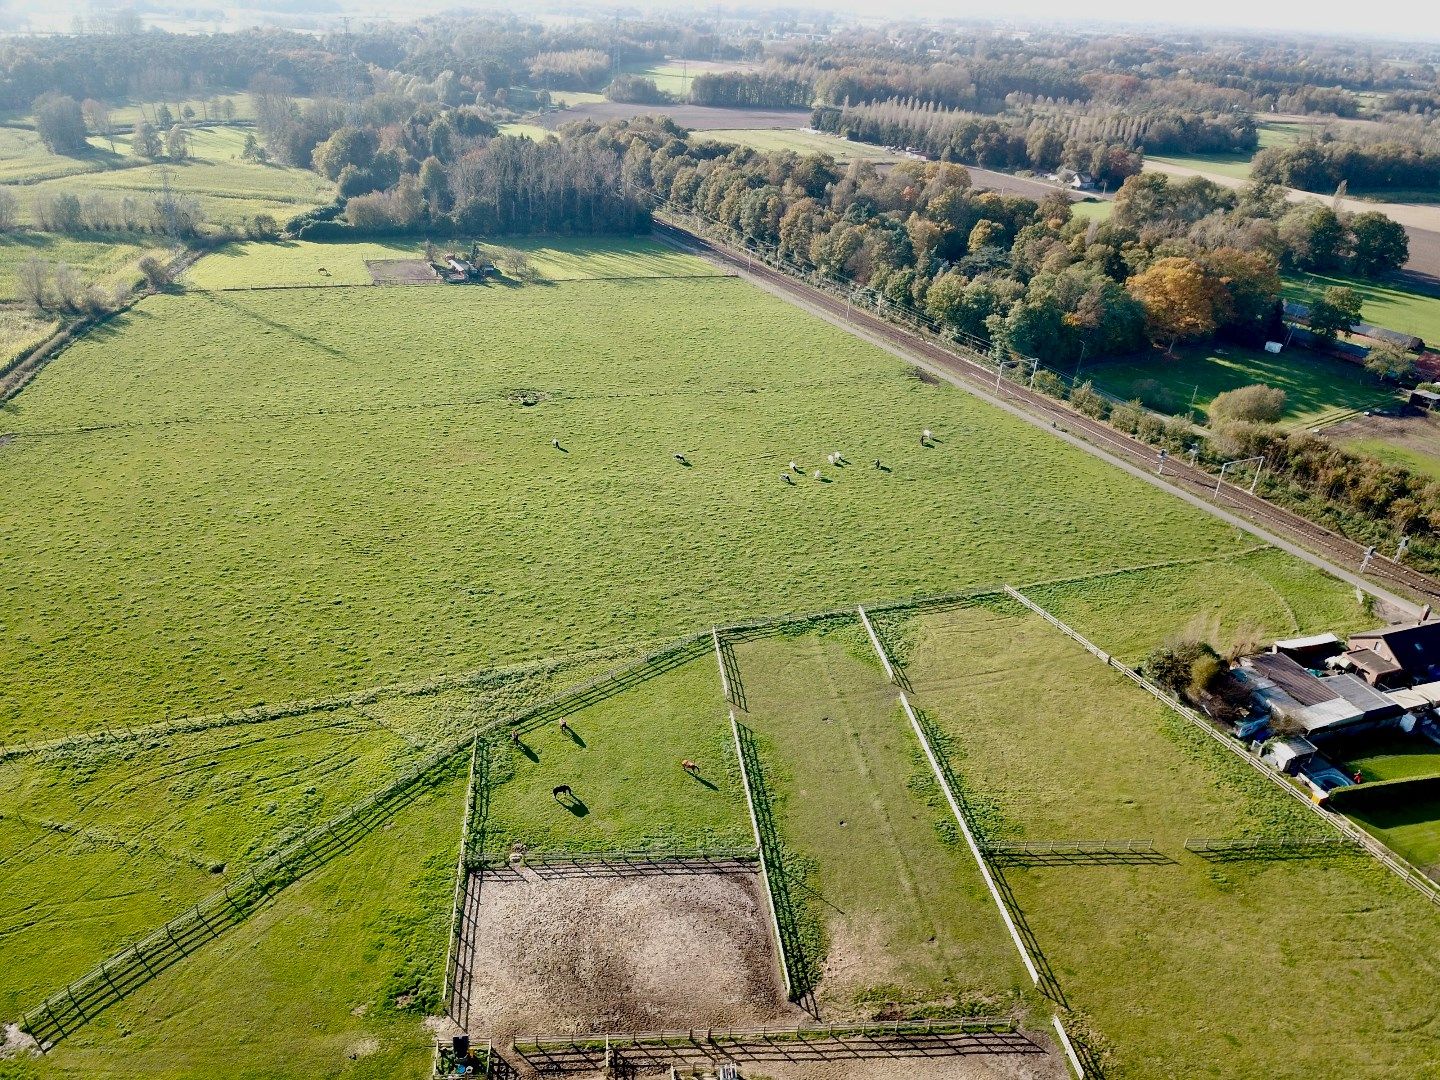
{"points": [[499, 866], [1302, 847], [1048, 984], [731, 669], [126, 971], [1077, 853], [800, 969]]}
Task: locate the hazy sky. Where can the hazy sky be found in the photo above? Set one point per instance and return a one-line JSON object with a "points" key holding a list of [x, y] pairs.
{"points": [[1400, 19]]}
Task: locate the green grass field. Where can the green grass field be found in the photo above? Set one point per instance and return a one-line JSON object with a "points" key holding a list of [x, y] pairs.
{"points": [[1272, 133], [24, 158], [228, 498], [105, 839], [529, 131], [1412, 829], [1093, 209], [299, 262], [1315, 385], [227, 188], [1405, 456], [332, 979], [770, 140], [904, 917], [377, 504], [107, 261], [1384, 305], [621, 757], [1245, 601], [1396, 757], [1157, 958]]}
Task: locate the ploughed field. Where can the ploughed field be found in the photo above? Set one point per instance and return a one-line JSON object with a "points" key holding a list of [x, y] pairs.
{"points": [[226, 498]]}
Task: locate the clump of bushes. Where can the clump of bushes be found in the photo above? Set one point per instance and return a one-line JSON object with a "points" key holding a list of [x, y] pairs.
{"points": [[1256, 404], [1194, 671]]}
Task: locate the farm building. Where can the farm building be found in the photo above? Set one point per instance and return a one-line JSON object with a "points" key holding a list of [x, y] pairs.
{"points": [[1398, 655], [1299, 698], [1310, 652], [1425, 399]]}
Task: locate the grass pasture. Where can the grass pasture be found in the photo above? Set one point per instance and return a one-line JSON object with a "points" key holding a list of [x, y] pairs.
{"points": [[770, 140], [233, 496], [897, 915], [107, 261], [1245, 601], [621, 757], [332, 979], [1237, 166], [227, 188], [109, 841], [1383, 304], [1315, 385], [379, 505], [299, 262], [1176, 966]]}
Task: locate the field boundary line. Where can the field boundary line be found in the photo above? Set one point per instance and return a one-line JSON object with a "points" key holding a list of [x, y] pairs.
{"points": [[263, 714], [875, 641], [760, 847], [136, 964], [1069, 1049], [457, 905], [970, 840], [1395, 863], [482, 676]]}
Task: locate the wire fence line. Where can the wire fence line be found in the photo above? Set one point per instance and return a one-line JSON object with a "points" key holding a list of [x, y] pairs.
{"points": [[370, 695], [86, 997], [261, 714], [116, 977], [459, 903], [720, 1036]]}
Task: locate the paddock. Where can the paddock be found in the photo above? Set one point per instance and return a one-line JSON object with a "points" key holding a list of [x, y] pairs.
{"points": [[601, 947]]}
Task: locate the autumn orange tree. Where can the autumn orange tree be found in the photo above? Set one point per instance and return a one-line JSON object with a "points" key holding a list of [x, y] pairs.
{"points": [[1181, 301]]}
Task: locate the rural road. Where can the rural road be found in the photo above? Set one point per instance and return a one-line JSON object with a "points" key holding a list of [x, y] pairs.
{"points": [[1325, 550]]}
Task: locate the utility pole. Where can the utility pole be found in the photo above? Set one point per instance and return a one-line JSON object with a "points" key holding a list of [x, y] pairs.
{"points": [[1365, 562]]}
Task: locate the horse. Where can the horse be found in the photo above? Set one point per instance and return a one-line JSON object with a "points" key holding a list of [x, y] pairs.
{"points": [[689, 766], [563, 789]]}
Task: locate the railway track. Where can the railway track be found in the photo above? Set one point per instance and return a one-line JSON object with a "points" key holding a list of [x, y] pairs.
{"points": [[982, 377]]}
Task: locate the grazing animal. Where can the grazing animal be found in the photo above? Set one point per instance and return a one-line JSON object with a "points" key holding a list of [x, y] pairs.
{"points": [[877, 463], [795, 468], [564, 724], [680, 458], [817, 474], [786, 477], [689, 766], [563, 789], [555, 443]]}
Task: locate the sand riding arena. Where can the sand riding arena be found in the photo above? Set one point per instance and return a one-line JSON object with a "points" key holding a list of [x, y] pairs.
{"points": [[630, 966]]}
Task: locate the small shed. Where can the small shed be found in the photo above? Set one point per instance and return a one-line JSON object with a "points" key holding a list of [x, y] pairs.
{"points": [[1425, 399], [1288, 755]]}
